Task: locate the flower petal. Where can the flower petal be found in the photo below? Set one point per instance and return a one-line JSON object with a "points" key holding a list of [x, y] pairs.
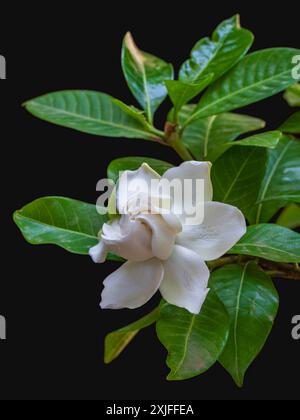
{"points": [[132, 285], [222, 228], [185, 280], [134, 186], [163, 236], [98, 253], [127, 238], [173, 221], [190, 171]]}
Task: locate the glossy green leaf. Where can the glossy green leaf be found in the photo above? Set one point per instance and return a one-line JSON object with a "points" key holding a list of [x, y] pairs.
{"points": [[134, 163], [146, 76], [89, 112], [292, 124], [182, 92], [292, 95], [117, 341], [194, 342], [267, 140], [271, 242], [252, 303], [228, 45], [135, 113], [281, 183], [70, 224], [257, 76], [207, 137], [290, 217], [237, 176]]}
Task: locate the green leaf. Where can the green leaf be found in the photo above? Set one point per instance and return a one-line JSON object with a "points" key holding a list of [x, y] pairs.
{"points": [[89, 112], [271, 242], [145, 76], [237, 176], [290, 217], [268, 140], [257, 76], [194, 342], [228, 45], [135, 113], [292, 95], [206, 138], [117, 341], [292, 125], [134, 163], [252, 303], [281, 183], [70, 224], [182, 92]]}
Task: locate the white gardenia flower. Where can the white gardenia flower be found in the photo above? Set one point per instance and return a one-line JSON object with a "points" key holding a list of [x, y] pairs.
{"points": [[163, 252]]}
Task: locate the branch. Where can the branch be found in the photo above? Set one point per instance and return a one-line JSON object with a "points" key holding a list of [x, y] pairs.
{"points": [[173, 139], [284, 275], [222, 262], [275, 270], [280, 270]]}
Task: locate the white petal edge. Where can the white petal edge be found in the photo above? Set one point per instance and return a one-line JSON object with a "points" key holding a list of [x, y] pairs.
{"points": [[163, 236], [185, 280], [132, 285], [222, 228], [128, 238], [134, 184], [98, 253], [191, 171]]}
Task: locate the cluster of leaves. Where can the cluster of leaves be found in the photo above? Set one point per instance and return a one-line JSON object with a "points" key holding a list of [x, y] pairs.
{"points": [[258, 174]]}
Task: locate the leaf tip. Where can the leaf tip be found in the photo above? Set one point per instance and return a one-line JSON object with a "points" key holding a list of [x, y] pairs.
{"points": [[238, 378], [24, 104], [133, 49], [108, 355], [239, 382], [262, 123], [15, 216], [128, 37], [108, 359], [172, 377], [238, 21]]}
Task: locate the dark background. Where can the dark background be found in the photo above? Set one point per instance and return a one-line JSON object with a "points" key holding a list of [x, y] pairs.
{"points": [[50, 298]]}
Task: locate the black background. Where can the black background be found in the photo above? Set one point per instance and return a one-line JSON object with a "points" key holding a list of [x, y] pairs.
{"points": [[50, 298]]}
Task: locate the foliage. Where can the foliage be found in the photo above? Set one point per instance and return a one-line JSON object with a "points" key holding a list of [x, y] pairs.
{"points": [[258, 173]]}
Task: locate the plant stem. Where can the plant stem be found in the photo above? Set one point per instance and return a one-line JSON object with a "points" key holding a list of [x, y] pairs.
{"points": [[289, 271], [182, 151], [174, 140], [284, 275], [160, 135], [275, 270], [222, 262]]}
